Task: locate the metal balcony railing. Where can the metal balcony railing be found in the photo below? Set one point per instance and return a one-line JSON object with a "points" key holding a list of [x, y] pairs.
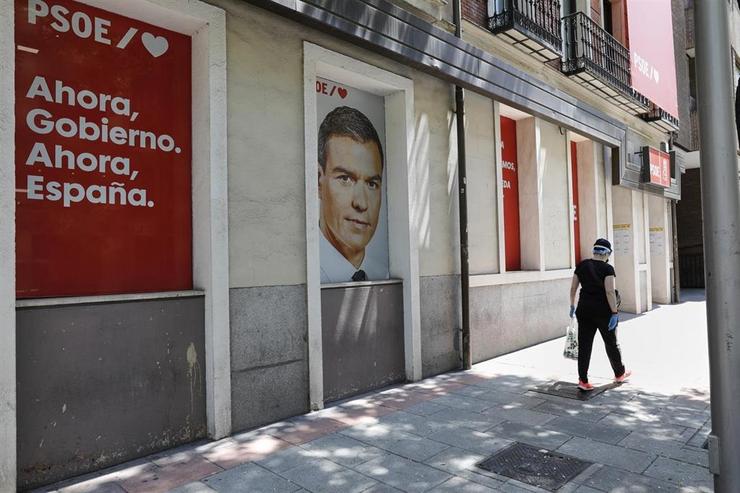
{"points": [[537, 19], [589, 47]]}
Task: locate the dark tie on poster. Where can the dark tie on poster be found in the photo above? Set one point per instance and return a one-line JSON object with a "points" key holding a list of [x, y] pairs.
{"points": [[359, 276]]}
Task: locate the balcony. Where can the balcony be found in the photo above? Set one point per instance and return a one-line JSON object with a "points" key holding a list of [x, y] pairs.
{"points": [[598, 61], [532, 26], [661, 118]]}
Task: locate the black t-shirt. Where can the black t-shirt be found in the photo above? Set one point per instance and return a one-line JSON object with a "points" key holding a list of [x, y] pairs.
{"points": [[591, 274]]}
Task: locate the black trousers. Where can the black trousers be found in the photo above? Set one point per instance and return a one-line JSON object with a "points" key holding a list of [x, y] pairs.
{"points": [[588, 324]]}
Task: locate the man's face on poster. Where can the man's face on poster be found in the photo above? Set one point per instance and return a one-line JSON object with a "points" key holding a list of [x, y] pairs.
{"points": [[350, 189]]}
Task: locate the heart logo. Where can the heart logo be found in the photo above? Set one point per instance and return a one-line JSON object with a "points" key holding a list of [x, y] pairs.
{"points": [[156, 45], [342, 92]]}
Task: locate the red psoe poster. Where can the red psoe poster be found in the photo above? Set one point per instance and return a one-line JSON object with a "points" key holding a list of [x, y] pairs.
{"points": [[103, 153], [659, 163], [510, 177]]}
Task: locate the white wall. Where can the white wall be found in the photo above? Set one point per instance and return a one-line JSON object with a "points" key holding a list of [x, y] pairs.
{"points": [[624, 257], [592, 206], [438, 12], [630, 238], [266, 151], [556, 206], [7, 251], [482, 192], [530, 197], [640, 229], [661, 248]]}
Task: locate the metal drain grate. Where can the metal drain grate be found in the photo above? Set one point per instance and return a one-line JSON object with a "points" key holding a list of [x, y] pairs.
{"points": [[531, 465], [571, 391]]}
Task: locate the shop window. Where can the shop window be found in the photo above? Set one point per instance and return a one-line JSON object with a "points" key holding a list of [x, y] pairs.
{"points": [[510, 177]]}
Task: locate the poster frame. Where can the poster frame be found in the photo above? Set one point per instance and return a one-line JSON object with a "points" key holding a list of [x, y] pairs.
{"points": [[206, 25], [398, 92]]}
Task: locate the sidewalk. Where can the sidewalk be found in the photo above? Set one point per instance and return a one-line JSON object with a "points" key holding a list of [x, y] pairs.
{"points": [[644, 436]]}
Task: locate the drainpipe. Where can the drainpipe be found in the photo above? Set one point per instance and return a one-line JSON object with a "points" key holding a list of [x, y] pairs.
{"points": [[676, 270], [463, 202], [721, 212]]}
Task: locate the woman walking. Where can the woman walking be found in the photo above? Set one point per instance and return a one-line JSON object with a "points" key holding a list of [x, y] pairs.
{"points": [[597, 310]]}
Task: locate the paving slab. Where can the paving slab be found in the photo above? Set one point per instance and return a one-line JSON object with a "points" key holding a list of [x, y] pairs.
{"points": [[287, 459], [656, 428], [587, 429], [519, 487], [455, 460], [453, 419], [381, 488], [538, 436], [194, 487], [585, 411], [681, 473], [499, 396], [426, 408], [404, 444], [462, 402], [257, 479], [667, 448], [474, 441], [105, 486], [462, 463], [613, 479], [584, 489], [520, 415], [342, 450], [324, 476], [403, 474], [461, 485], [604, 453]]}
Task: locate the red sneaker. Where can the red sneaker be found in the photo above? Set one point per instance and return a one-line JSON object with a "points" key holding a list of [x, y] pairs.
{"points": [[623, 377], [585, 386]]}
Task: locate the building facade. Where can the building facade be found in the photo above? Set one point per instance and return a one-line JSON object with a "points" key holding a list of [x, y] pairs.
{"points": [[228, 213], [690, 238]]}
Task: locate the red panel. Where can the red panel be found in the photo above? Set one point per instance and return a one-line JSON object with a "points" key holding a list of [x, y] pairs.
{"points": [[660, 167], [510, 175], [651, 52], [99, 211], [576, 210]]}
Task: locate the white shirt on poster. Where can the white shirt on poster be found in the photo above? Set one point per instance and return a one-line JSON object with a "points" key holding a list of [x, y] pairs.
{"points": [[336, 268]]}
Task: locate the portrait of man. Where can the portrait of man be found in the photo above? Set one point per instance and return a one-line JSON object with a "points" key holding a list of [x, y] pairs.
{"points": [[350, 180]]}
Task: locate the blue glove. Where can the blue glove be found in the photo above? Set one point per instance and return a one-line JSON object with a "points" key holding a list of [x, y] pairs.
{"points": [[572, 311], [613, 321]]}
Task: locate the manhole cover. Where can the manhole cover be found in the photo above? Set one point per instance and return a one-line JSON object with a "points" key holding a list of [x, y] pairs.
{"points": [[570, 390], [531, 465]]}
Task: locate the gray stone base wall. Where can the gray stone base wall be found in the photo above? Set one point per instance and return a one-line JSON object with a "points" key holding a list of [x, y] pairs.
{"points": [[100, 384], [269, 354], [510, 317], [440, 324]]}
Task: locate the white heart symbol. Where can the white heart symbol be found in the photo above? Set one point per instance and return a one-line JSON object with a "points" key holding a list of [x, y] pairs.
{"points": [[156, 45]]}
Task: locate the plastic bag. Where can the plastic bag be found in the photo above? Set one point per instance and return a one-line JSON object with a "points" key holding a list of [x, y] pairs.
{"points": [[571, 340]]}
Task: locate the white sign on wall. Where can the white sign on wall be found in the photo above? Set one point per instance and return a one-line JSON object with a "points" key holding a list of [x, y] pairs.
{"points": [[657, 241], [622, 239]]}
